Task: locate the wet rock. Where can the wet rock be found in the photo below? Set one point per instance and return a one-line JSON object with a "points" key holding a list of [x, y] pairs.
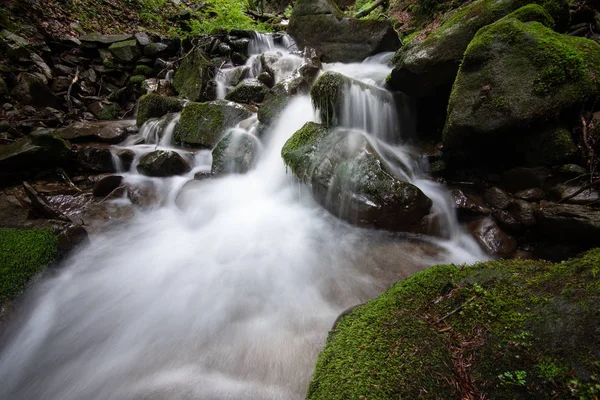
{"points": [[238, 59], [193, 77], [492, 239], [248, 91], [349, 179], [95, 157], [321, 25], [162, 163], [126, 52], [107, 185], [507, 221], [585, 195], [105, 131], [126, 158], [155, 106], [568, 222], [98, 38], [534, 194], [31, 90], [105, 111], [240, 45], [202, 124], [161, 87], [523, 211], [266, 79], [469, 203], [37, 150], [235, 153], [497, 198]]}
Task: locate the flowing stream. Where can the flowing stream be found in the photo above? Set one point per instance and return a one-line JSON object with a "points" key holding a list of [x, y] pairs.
{"points": [[225, 288]]}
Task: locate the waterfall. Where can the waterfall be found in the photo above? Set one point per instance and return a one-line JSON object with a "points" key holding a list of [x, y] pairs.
{"points": [[227, 288]]}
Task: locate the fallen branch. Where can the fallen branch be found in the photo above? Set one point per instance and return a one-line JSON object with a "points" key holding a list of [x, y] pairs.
{"points": [[41, 206], [583, 189], [367, 11], [75, 79]]}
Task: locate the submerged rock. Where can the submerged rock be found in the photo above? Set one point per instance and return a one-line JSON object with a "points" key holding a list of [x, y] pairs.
{"points": [[163, 163], [352, 181], [525, 327], [235, 153]]}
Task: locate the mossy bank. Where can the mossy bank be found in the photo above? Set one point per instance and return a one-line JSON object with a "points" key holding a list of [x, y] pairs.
{"points": [[500, 330]]}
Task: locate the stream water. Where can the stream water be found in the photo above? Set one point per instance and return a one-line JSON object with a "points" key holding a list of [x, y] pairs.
{"points": [[226, 288]]}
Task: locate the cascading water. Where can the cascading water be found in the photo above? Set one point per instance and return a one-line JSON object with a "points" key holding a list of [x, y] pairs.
{"points": [[227, 291]]}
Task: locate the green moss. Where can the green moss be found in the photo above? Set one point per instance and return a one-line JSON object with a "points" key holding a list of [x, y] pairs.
{"points": [[137, 79], [155, 106], [297, 152], [108, 63], [327, 95], [144, 70], [23, 253], [506, 328], [193, 76], [533, 13]]}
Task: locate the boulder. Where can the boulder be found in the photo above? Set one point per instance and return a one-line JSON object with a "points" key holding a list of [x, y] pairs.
{"points": [[107, 185], [155, 106], [568, 222], [87, 131], [126, 52], [35, 151], [352, 181], [105, 111], [235, 153], [99, 38], [497, 198], [95, 157], [14, 46], [321, 25], [514, 77], [203, 124], [468, 204], [31, 90], [425, 67], [155, 49], [193, 78], [163, 163], [492, 239], [248, 91]]}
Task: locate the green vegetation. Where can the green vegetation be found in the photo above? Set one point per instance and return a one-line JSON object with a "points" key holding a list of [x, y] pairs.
{"points": [[23, 253], [222, 15], [144, 70], [503, 329]]}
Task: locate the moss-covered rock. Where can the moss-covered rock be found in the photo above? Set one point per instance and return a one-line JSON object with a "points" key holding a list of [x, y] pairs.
{"points": [[235, 153], [248, 91], [425, 67], [193, 77], [203, 124], [24, 253], [105, 111], [352, 181], [163, 163], [37, 150], [553, 146], [155, 106], [514, 77], [126, 51], [144, 70], [511, 329]]}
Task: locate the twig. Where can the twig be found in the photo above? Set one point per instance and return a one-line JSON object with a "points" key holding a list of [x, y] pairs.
{"points": [[457, 309], [583, 189], [75, 79]]}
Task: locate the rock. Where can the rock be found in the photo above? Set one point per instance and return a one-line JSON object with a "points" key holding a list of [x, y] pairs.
{"points": [[235, 153], [35, 151], [568, 222], [126, 52], [60, 84], [553, 146], [248, 91], [105, 111], [105, 39], [468, 203], [202, 124], [523, 211], [107, 185], [193, 77], [496, 198], [144, 70], [163, 163], [106, 131], [507, 221], [240, 45], [42, 66], [534, 194], [492, 239], [238, 59], [513, 314], [161, 87], [142, 38], [3, 88], [425, 67], [155, 49], [584, 196], [125, 158], [503, 87], [155, 106], [321, 25], [16, 47], [144, 194], [522, 178], [95, 157], [350, 180], [266, 79], [31, 90]]}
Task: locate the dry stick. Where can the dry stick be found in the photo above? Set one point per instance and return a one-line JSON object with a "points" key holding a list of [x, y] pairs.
{"points": [[367, 11], [583, 189], [456, 309], [75, 79]]}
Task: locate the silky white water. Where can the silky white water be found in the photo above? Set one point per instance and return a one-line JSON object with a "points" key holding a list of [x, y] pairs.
{"points": [[225, 289]]}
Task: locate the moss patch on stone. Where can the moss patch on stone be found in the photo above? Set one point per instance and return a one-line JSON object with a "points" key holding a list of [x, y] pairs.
{"points": [[327, 95], [144, 70], [23, 253], [516, 329], [299, 150], [154, 105], [193, 77]]}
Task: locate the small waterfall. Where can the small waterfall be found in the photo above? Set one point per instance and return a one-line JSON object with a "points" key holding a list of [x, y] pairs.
{"points": [[261, 43]]}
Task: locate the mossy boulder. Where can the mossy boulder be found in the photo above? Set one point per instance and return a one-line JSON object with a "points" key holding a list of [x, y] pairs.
{"points": [[352, 181], [127, 51], [35, 151], [24, 253], [250, 90], [163, 163], [144, 70], [552, 146], [510, 329], [428, 67], [105, 111], [235, 153], [203, 124], [515, 77], [193, 78], [155, 106], [321, 25]]}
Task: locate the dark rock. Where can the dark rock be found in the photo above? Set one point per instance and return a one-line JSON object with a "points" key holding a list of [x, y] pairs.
{"points": [[155, 49], [107, 185], [240, 45], [160, 87], [235, 153], [535, 194], [105, 111], [248, 91], [60, 84], [15, 47], [125, 157], [521, 178], [492, 239], [155, 106], [37, 150], [42, 66], [507, 221], [202, 124], [238, 59], [568, 222], [63, 70], [105, 39], [497, 198], [126, 52], [163, 163], [95, 157], [107, 131], [321, 25], [193, 77], [266, 79], [3, 88], [31, 90], [523, 212], [469, 203], [585, 195]]}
